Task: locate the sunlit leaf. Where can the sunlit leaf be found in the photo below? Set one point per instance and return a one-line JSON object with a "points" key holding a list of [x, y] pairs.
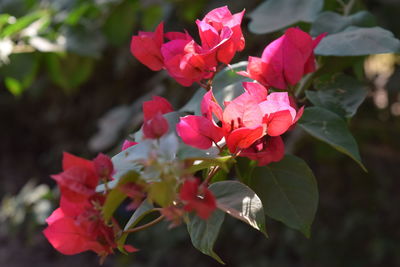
{"points": [[356, 41], [239, 201]]}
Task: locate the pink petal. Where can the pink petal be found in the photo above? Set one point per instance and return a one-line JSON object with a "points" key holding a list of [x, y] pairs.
{"points": [[256, 90], [198, 131], [210, 106], [243, 111]]}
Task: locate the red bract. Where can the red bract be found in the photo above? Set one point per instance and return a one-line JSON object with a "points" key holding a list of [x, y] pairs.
{"points": [[155, 125], [78, 180], [198, 131], [103, 167], [265, 150], [197, 198], [285, 60], [220, 32], [146, 47], [158, 104], [185, 60], [77, 227]]}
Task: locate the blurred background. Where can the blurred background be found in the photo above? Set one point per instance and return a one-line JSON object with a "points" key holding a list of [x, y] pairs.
{"points": [[69, 83]]}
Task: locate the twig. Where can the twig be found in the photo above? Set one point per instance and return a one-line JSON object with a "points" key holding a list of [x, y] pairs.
{"points": [[211, 175], [144, 226]]}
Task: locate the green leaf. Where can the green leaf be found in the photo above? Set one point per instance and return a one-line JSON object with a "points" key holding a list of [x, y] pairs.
{"points": [[151, 16], [115, 197], [331, 129], [119, 25], [76, 14], [21, 24], [343, 96], [163, 193], [273, 15], [204, 163], [191, 153], [145, 208], [288, 191], [69, 71], [227, 85], [20, 72], [356, 41], [14, 86], [204, 233], [244, 169], [239, 201], [4, 18], [332, 22]]}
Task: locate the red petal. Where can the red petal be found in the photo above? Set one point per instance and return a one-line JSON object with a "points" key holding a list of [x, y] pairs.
{"points": [[158, 104], [279, 122], [156, 127], [243, 138], [70, 160]]}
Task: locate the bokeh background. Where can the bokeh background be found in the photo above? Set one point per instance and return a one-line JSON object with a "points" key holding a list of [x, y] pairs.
{"points": [[69, 83]]}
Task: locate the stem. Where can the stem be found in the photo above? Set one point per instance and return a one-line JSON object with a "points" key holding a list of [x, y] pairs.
{"points": [[347, 8], [211, 174], [144, 226]]}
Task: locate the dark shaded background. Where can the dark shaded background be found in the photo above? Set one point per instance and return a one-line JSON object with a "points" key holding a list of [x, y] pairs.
{"points": [[357, 223]]}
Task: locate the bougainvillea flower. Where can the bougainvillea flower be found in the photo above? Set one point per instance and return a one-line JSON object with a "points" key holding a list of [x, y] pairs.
{"points": [[146, 47], [278, 114], [265, 150], [246, 120], [155, 125], [135, 192], [154, 106], [221, 32], [78, 180], [128, 144], [103, 167], [185, 62], [198, 131], [197, 198], [285, 60], [79, 227]]}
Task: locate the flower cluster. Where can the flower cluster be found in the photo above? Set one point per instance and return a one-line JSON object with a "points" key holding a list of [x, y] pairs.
{"points": [[158, 172], [78, 224], [185, 60], [251, 123]]}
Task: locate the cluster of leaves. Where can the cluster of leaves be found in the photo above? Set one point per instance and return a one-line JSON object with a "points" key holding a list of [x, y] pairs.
{"points": [[43, 36], [162, 167]]}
